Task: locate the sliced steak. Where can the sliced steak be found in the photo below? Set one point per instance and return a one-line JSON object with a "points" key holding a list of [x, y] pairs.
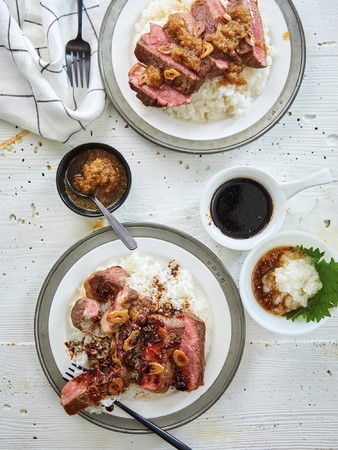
{"points": [[252, 53], [117, 314], [146, 51], [208, 12], [191, 377], [125, 298], [213, 65], [164, 96], [92, 386], [85, 312], [161, 336], [103, 285]]}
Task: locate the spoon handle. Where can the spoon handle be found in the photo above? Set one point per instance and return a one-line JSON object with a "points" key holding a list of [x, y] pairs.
{"points": [[119, 229], [159, 431]]}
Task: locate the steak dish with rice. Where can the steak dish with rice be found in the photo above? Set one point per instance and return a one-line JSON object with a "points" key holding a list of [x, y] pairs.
{"points": [[131, 339], [209, 41]]}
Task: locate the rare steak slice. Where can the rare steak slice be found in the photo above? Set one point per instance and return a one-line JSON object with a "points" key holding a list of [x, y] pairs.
{"points": [[85, 312], [118, 313], [163, 96], [91, 387], [125, 298], [252, 51], [207, 12], [154, 48], [189, 373], [103, 285], [161, 336]]}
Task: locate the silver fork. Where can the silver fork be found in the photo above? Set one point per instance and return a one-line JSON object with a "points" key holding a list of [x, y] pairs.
{"points": [[78, 54], [74, 370]]}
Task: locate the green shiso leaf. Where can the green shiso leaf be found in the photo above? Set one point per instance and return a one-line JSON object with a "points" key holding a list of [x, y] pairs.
{"points": [[320, 304]]}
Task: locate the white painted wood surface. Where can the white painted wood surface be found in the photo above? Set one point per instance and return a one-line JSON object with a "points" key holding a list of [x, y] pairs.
{"points": [[285, 393]]}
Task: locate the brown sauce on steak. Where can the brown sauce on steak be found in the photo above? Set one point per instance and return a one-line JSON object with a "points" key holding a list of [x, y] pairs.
{"points": [[187, 58], [189, 47], [228, 36], [178, 30], [152, 76], [233, 75]]}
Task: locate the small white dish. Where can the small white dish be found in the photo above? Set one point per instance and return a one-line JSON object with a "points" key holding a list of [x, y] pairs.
{"points": [[279, 193], [276, 324]]}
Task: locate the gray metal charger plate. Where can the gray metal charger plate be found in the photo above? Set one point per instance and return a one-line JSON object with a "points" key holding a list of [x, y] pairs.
{"points": [[210, 145], [211, 264]]}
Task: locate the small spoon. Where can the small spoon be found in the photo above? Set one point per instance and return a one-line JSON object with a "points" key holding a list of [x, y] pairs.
{"points": [[119, 229]]}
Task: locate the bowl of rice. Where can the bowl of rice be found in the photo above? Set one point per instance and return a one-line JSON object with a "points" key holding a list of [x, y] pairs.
{"points": [[221, 116], [278, 279]]}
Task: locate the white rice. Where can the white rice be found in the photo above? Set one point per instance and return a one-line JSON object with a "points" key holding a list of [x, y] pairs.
{"points": [[214, 101]]}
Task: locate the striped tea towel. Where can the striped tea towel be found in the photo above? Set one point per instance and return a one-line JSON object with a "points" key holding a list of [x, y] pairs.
{"points": [[35, 92]]}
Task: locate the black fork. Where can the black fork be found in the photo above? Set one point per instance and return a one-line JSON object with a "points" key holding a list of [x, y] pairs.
{"points": [[78, 54], [176, 443]]}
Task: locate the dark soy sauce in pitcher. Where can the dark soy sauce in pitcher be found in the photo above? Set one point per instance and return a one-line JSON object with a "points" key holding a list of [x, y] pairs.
{"points": [[241, 208]]}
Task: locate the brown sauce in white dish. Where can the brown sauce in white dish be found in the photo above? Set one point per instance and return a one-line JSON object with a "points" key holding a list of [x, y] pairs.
{"points": [[263, 282]]}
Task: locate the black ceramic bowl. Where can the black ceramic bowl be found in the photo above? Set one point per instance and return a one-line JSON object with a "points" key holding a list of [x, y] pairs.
{"points": [[62, 185]]}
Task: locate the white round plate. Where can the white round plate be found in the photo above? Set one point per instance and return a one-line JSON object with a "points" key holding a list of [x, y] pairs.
{"points": [[277, 324], [116, 57], [212, 282]]}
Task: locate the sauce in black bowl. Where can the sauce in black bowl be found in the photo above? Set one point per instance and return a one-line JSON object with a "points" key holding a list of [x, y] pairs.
{"points": [[110, 184], [241, 208]]}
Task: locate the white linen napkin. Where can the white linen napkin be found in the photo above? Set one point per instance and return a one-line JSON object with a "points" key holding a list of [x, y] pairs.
{"points": [[35, 91]]}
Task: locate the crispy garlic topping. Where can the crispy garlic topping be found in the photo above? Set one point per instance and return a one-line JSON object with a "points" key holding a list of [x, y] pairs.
{"points": [[142, 79], [115, 387], [206, 49], [180, 358], [249, 39], [171, 74], [154, 368], [118, 317], [131, 340], [166, 49], [226, 18], [198, 29]]}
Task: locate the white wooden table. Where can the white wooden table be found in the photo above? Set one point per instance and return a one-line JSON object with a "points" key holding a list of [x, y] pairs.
{"points": [[285, 393]]}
